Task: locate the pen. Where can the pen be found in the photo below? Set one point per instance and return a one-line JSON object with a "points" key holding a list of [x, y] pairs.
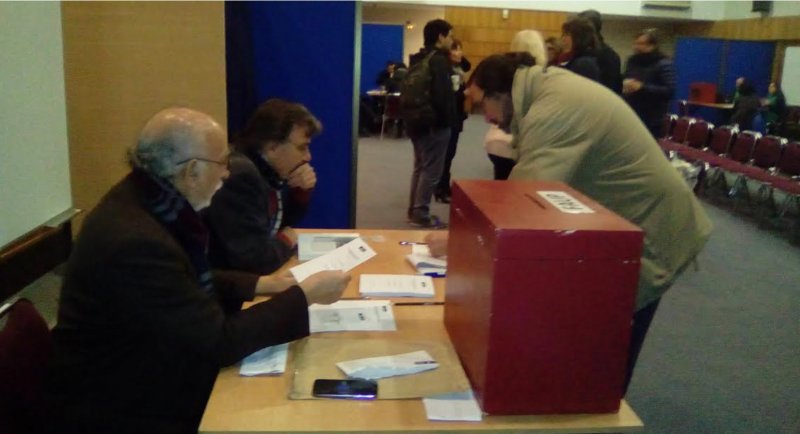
{"points": [[435, 274], [411, 243], [425, 362]]}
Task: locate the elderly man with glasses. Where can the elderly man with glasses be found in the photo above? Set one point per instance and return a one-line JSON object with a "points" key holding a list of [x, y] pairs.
{"points": [[144, 323]]}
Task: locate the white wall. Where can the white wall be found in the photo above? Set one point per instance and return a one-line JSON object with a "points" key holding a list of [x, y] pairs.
{"points": [[34, 159]]}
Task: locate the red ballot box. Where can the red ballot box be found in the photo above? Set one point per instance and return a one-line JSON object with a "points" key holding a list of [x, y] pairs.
{"points": [[541, 282]]}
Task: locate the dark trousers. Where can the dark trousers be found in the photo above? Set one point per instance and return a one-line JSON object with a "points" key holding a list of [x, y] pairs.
{"points": [[429, 152], [443, 188], [639, 326], [502, 166]]}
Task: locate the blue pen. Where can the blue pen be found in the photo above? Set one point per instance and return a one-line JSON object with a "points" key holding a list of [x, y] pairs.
{"points": [[436, 274]]}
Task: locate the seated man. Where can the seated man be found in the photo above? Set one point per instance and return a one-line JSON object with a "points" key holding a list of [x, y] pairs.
{"points": [[144, 325], [578, 132], [268, 190]]}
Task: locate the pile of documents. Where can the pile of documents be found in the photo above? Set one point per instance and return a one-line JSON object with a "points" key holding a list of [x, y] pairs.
{"points": [[426, 264], [395, 285]]}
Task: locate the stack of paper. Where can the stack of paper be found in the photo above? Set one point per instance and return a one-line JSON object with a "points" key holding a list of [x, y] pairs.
{"points": [[350, 315], [459, 406], [395, 285], [426, 264], [344, 258], [374, 368], [312, 245], [267, 361]]}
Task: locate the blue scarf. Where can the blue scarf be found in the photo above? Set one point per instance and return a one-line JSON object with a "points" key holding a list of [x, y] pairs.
{"points": [[175, 213]]}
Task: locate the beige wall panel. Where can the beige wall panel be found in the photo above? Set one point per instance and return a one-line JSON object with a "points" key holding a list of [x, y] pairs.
{"points": [[774, 28], [123, 61]]}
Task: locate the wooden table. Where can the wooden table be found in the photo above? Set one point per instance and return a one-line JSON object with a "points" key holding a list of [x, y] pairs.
{"points": [[390, 259], [721, 106], [259, 404]]}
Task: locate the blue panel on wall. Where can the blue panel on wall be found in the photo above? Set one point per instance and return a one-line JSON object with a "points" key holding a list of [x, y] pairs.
{"points": [[379, 43], [697, 60], [752, 60], [304, 52]]}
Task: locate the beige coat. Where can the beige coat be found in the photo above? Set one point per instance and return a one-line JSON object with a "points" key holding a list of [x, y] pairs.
{"points": [[568, 128]]}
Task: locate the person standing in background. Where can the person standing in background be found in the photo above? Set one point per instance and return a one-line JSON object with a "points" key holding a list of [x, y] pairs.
{"points": [[553, 50], [580, 43], [460, 66], [775, 107], [607, 59], [746, 106], [649, 81]]}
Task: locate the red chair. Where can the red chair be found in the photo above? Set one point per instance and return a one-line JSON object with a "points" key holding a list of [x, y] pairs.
{"points": [[667, 123], [721, 139], [681, 129], [742, 148], [761, 168], [699, 133], [24, 349]]}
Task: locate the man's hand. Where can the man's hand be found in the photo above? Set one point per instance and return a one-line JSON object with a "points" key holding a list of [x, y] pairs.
{"points": [[437, 243], [325, 287], [631, 85], [290, 235], [272, 284], [303, 177]]}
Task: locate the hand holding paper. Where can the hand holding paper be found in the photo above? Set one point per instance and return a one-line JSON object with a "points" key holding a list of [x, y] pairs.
{"points": [[344, 258]]}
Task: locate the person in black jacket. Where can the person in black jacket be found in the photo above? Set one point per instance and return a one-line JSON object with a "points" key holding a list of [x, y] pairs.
{"points": [[268, 191], [144, 324], [607, 59], [431, 138], [746, 106], [460, 66], [580, 43], [649, 82]]}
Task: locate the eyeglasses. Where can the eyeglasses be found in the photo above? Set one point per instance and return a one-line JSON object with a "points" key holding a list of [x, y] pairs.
{"points": [[224, 162]]}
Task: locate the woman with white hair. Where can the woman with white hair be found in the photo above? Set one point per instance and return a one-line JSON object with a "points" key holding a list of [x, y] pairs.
{"points": [[498, 142]]}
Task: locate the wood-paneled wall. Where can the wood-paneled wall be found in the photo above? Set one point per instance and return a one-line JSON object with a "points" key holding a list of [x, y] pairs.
{"points": [[754, 29], [483, 31], [124, 61]]}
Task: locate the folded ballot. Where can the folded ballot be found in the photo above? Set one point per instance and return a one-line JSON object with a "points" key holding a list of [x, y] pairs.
{"points": [[266, 361], [312, 245], [373, 368], [426, 264], [395, 285]]}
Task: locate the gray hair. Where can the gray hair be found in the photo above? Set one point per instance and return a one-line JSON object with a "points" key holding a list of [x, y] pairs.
{"points": [[531, 42], [166, 139]]}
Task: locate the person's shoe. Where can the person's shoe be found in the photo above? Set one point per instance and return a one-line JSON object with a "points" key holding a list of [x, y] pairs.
{"points": [[432, 222], [442, 197]]}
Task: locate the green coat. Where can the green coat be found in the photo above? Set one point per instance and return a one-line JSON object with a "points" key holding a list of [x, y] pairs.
{"points": [[570, 129]]}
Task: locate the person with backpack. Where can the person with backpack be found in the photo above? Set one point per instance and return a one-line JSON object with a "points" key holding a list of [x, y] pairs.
{"points": [[428, 107]]}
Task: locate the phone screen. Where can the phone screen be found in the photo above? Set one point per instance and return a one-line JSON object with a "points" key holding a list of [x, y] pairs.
{"points": [[352, 389]]}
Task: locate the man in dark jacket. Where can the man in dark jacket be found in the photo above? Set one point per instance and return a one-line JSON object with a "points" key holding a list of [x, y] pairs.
{"points": [[268, 191], [144, 325], [431, 137], [649, 81], [607, 59]]}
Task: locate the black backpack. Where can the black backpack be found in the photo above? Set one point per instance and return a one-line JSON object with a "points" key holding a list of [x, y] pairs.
{"points": [[415, 94]]}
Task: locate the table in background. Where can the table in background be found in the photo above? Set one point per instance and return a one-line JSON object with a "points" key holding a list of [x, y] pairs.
{"points": [[716, 113], [259, 404]]}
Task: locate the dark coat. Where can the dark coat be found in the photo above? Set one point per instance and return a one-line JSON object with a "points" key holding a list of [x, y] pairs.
{"points": [[443, 97], [139, 343], [610, 68], [242, 215], [657, 74], [745, 110], [585, 65]]}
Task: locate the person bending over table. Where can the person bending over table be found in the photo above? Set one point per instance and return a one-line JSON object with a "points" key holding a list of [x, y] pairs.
{"points": [[268, 190], [144, 323], [576, 131]]}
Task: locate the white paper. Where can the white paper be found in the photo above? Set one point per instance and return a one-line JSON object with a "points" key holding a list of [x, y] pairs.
{"points": [[352, 315], [395, 285], [565, 202], [312, 245], [459, 406], [426, 264], [344, 258], [373, 368], [266, 361]]}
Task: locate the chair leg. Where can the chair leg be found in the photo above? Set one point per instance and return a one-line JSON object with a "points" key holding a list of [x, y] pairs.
{"points": [[383, 126]]}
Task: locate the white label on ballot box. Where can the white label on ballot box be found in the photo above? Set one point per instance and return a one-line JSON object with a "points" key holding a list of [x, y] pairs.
{"points": [[565, 202]]}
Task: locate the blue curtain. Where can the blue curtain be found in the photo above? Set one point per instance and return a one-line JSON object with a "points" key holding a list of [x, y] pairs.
{"points": [[303, 52], [380, 43]]}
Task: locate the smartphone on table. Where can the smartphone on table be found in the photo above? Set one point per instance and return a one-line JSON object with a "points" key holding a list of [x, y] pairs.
{"points": [[345, 389]]}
